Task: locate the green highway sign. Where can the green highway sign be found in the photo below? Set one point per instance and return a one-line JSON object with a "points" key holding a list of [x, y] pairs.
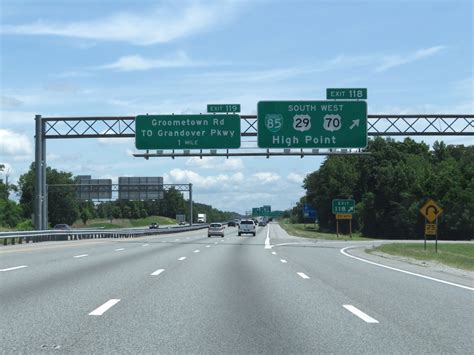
{"points": [[312, 124], [187, 131], [343, 206], [223, 108], [346, 94]]}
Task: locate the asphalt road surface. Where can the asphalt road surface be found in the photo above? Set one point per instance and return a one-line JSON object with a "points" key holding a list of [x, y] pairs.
{"points": [[187, 293]]}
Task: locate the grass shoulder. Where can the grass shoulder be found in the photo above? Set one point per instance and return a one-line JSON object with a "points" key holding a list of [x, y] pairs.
{"points": [[312, 231], [459, 255]]}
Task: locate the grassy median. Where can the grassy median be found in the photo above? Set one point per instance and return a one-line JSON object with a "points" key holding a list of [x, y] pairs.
{"points": [[124, 222], [312, 231], [460, 255]]}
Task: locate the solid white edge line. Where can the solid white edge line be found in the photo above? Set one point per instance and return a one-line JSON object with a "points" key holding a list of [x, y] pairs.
{"points": [[360, 314], [104, 308], [343, 251], [182, 258], [283, 261], [14, 268], [267, 239], [157, 272], [303, 275], [81, 256]]}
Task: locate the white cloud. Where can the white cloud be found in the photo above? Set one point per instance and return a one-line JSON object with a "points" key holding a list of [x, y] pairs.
{"points": [[231, 164], [137, 62], [9, 102], [389, 62], [162, 24], [296, 178], [267, 177], [221, 181], [14, 144]]}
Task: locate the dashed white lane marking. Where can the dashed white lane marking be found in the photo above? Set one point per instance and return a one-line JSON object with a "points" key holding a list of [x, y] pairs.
{"points": [[119, 249], [144, 245], [197, 251], [14, 268], [176, 240], [215, 242], [274, 253], [343, 251], [303, 275], [187, 238], [104, 308], [182, 258], [360, 314], [283, 261], [208, 246], [267, 239], [157, 272], [81, 256]]}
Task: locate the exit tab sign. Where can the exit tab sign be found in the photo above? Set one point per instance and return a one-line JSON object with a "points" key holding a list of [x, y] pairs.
{"points": [[346, 94], [223, 108]]}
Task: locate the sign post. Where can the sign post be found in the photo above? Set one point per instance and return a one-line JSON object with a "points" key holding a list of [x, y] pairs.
{"points": [[431, 211], [343, 209], [312, 124]]}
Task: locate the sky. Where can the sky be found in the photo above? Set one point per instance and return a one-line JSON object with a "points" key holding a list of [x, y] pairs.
{"points": [[120, 58]]}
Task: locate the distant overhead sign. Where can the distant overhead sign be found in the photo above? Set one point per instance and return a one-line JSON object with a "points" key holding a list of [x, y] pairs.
{"points": [[93, 189], [312, 124], [340, 206], [187, 131], [431, 211], [346, 94], [223, 108], [140, 188]]}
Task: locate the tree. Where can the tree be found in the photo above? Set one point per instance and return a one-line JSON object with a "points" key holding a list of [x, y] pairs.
{"points": [[62, 203], [85, 215]]}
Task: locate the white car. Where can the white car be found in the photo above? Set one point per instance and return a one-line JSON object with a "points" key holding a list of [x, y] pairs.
{"points": [[248, 227], [216, 229]]}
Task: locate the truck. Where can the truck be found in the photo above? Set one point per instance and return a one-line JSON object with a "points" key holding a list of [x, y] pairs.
{"points": [[202, 218]]}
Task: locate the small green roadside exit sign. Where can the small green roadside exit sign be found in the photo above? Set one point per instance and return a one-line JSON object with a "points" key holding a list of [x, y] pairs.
{"points": [[223, 108], [346, 94], [343, 206]]}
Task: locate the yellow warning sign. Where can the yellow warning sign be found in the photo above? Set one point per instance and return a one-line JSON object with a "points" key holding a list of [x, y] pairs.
{"points": [[430, 228], [431, 210], [343, 216]]}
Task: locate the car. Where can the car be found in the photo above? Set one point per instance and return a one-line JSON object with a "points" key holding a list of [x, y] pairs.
{"points": [[182, 223], [62, 227], [154, 226], [247, 227], [262, 224], [215, 229], [231, 224]]}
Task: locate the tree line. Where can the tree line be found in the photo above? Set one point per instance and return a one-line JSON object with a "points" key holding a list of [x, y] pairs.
{"points": [[391, 184], [64, 207]]}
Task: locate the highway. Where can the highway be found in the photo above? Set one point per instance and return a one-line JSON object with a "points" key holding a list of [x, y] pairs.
{"points": [[186, 293]]}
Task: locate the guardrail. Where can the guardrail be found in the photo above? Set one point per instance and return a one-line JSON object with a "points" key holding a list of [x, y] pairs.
{"points": [[55, 235]]}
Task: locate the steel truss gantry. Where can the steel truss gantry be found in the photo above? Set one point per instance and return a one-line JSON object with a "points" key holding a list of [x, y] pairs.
{"points": [[124, 127]]}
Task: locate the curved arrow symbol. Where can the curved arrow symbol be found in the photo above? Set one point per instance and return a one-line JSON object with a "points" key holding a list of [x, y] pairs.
{"points": [[435, 213]]}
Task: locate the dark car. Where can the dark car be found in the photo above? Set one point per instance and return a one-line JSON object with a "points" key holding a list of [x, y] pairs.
{"points": [[262, 224], [154, 226], [231, 224], [62, 227]]}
